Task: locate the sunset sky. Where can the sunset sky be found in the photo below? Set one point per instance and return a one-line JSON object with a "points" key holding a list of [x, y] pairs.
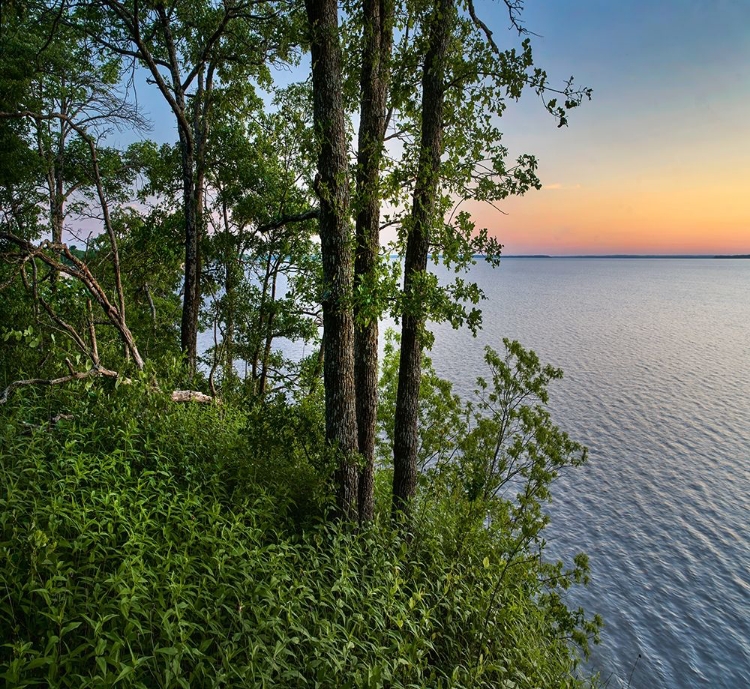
{"points": [[659, 160]]}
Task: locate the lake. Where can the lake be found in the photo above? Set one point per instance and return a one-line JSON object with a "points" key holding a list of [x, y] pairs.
{"points": [[656, 354]]}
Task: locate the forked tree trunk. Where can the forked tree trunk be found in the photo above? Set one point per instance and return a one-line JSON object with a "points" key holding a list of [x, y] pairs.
{"points": [[335, 240], [406, 436], [376, 56]]}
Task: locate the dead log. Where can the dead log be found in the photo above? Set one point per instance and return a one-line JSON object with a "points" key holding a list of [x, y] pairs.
{"points": [[193, 396]]}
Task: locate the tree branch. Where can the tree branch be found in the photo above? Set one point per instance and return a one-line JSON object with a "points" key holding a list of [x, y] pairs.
{"points": [[311, 214], [48, 382], [79, 270], [514, 10]]}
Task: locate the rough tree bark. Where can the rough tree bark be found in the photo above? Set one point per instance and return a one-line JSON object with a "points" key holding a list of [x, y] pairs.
{"points": [[335, 238], [376, 56], [56, 178], [192, 153], [191, 299], [406, 439]]}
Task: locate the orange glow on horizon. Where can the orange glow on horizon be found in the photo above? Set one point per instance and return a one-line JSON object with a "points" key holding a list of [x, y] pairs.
{"points": [[616, 220]]}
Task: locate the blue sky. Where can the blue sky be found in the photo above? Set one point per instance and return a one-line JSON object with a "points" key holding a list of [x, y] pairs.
{"points": [[657, 162]]}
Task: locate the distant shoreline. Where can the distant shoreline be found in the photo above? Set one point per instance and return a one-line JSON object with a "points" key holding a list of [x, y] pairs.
{"points": [[611, 256], [629, 256]]}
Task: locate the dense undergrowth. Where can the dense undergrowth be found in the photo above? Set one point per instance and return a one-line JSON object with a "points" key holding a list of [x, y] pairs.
{"points": [[149, 544]]}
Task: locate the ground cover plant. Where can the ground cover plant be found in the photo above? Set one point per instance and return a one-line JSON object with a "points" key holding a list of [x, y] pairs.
{"points": [[149, 544], [275, 507]]}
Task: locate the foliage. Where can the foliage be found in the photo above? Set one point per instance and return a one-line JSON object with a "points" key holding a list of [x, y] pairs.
{"points": [[263, 272], [146, 544], [150, 252], [488, 466]]}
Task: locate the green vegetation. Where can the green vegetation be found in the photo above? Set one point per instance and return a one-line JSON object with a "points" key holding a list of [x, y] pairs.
{"points": [[147, 543], [237, 515]]}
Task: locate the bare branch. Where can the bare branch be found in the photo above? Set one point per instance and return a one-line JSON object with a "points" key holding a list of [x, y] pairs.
{"points": [[48, 382], [79, 270], [92, 334], [311, 214], [514, 8]]}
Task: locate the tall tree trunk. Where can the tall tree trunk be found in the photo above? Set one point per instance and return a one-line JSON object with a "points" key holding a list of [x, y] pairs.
{"points": [[191, 291], [195, 227], [56, 176], [406, 438], [269, 330], [376, 56], [231, 268], [193, 151], [260, 324], [193, 134], [55, 158], [57, 197], [335, 241]]}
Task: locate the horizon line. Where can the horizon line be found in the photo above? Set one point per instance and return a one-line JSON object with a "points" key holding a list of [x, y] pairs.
{"points": [[629, 256], [703, 256]]}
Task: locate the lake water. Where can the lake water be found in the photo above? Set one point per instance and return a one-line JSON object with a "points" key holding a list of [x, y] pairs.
{"points": [[656, 354]]}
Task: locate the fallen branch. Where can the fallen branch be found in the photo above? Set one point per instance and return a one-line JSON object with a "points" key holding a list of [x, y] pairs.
{"points": [[48, 382], [193, 396]]}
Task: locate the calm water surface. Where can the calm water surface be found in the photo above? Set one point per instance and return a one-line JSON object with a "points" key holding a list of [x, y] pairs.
{"points": [[656, 354]]}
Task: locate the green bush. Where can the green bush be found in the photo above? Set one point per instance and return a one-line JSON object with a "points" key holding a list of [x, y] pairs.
{"points": [[117, 567], [149, 544]]}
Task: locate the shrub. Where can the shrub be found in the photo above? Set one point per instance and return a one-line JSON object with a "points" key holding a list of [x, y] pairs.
{"points": [[148, 544]]}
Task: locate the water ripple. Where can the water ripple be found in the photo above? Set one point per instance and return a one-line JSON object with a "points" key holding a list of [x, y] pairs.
{"points": [[657, 361]]}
